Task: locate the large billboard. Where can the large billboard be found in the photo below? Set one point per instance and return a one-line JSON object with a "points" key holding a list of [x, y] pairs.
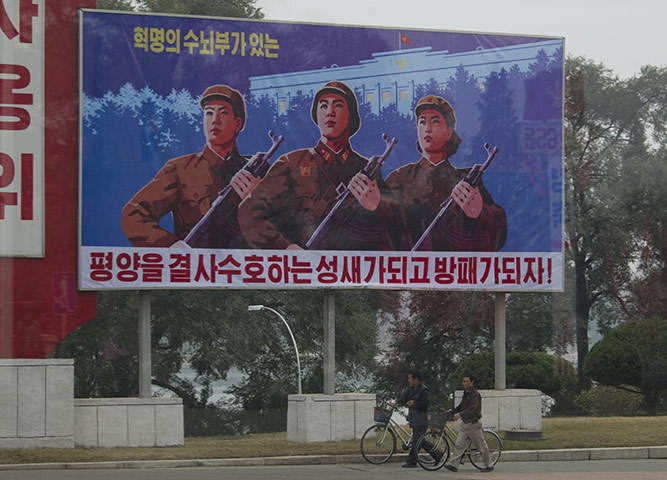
{"points": [[253, 154]]}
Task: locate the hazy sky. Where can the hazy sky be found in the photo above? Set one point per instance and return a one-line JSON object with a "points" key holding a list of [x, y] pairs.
{"points": [[624, 35]]}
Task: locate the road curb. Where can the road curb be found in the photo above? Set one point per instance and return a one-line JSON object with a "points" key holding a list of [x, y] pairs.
{"points": [[581, 454]]}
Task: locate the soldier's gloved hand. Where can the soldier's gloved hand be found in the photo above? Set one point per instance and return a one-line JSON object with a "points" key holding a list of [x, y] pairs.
{"points": [[243, 183], [468, 198], [179, 244], [366, 191]]}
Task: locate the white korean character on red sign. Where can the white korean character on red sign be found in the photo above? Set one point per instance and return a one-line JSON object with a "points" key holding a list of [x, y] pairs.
{"points": [[27, 10], [21, 128]]}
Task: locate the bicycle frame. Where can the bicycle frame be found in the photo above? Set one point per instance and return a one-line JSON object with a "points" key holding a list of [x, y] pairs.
{"points": [[399, 431], [450, 435]]}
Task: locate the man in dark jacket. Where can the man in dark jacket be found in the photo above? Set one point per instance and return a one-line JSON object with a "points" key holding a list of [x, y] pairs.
{"points": [[470, 412], [416, 399]]}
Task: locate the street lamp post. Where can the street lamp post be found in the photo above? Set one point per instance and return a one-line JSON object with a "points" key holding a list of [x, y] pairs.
{"points": [[257, 308]]}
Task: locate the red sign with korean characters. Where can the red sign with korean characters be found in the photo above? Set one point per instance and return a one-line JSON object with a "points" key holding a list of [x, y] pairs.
{"points": [[22, 128], [39, 302]]}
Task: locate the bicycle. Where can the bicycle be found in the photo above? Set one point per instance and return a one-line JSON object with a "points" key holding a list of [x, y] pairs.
{"points": [[378, 443], [438, 443]]}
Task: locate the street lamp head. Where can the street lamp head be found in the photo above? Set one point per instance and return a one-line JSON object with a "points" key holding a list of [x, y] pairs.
{"points": [[255, 308]]}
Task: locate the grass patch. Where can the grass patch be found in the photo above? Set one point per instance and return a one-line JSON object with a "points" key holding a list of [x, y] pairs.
{"points": [[579, 432], [596, 432]]}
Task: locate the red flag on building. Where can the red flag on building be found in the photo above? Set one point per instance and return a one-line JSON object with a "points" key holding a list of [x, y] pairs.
{"points": [[405, 39]]}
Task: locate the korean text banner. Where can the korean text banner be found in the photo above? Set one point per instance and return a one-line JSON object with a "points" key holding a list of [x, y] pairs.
{"points": [[237, 153], [22, 128]]}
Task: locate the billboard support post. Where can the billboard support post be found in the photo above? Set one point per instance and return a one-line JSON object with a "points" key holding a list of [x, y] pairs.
{"points": [[499, 342], [329, 343], [145, 345]]}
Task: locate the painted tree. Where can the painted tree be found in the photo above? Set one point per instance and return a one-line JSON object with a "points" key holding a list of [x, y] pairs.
{"points": [[463, 91], [497, 115], [215, 8]]}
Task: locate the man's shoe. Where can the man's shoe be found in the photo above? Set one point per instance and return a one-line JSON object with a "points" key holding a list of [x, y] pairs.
{"points": [[410, 465], [487, 469], [451, 469]]}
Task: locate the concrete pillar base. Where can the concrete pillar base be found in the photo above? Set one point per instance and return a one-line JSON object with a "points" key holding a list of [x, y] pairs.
{"points": [[128, 422], [36, 403], [326, 418], [511, 409]]}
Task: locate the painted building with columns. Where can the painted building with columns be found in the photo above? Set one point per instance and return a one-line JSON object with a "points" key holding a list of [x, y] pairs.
{"points": [[392, 77]]}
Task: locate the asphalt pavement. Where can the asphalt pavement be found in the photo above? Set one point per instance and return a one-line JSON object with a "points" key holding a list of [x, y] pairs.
{"points": [[580, 456], [646, 469]]}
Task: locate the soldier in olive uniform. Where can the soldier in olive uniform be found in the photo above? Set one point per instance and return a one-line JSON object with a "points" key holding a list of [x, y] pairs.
{"points": [[186, 186], [300, 188], [474, 222]]}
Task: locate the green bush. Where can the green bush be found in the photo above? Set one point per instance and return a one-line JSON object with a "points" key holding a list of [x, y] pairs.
{"points": [[602, 400], [211, 422]]}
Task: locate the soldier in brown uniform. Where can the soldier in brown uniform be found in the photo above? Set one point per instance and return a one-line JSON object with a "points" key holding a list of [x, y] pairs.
{"points": [[474, 222], [186, 186], [300, 188]]}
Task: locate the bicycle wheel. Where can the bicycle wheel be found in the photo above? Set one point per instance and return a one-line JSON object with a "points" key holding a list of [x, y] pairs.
{"points": [[378, 444], [495, 449], [432, 450]]}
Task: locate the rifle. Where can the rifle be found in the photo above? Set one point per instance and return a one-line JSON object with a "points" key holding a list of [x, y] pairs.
{"points": [[473, 178], [227, 201], [317, 240]]}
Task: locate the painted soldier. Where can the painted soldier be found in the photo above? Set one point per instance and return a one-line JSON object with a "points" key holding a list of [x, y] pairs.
{"points": [[473, 222], [186, 186], [300, 188]]}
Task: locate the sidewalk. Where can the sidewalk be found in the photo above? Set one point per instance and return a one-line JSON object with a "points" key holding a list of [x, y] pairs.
{"points": [[619, 453]]}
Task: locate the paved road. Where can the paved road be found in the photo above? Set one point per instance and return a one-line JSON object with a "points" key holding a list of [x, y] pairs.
{"points": [[574, 470]]}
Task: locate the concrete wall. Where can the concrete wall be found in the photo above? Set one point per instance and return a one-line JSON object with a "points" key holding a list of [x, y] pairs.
{"points": [[38, 409], [128, 422], [324, 418], [511, 409], [36, 403]]}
